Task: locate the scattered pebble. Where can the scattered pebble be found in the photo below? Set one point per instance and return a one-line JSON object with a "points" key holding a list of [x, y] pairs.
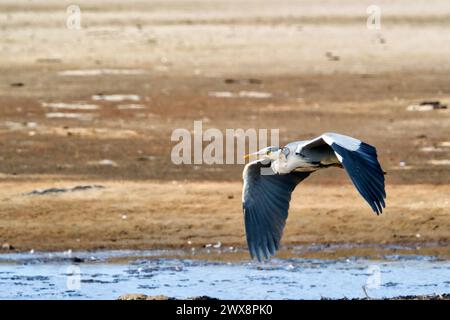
{"points": [[431, 149], [48, 60], [240, 94], [101, 133], [7, 246], [70, 106], [331, 56], [427, 106], [12, 125], [221, 94], [79, 116], [443, 162], [62, 190], [116, 97], [130, 107], [138, 296], [415, 107], [146, 158], [104, 162], [243, 81], [100, 72], [255, 94]]}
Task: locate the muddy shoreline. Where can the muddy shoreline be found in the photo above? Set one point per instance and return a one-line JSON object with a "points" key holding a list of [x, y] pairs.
{"points": [[86, 118], [162, 297], [154, 215]]}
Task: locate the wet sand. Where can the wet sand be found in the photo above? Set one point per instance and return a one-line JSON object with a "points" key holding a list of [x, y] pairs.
{"points": [[98, 106]]}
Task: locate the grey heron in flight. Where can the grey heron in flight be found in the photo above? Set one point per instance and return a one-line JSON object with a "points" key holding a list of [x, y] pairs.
{"points": [[270, 181]]}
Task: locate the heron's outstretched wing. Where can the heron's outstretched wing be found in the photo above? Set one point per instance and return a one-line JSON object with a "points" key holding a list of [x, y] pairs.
{"points": [[360, 161], [265, 198]]}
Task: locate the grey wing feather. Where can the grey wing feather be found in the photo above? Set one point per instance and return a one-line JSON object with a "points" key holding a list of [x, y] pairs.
{"points": [[266, 200], [360, 161]]}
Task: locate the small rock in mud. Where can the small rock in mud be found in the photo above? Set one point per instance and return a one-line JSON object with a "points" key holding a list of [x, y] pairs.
{"points": [[427, 106], [254, 81], [77, 260], [254, 94], [445, 296], [62, 190], [221, 94], [48, 60], [17, 84], [104, 162], [115, 97], [243, 81], [137, 296], [332, 57], [145, 158], [201, 298], [7, 246], [240, 94], [435, 104], [70, 106], [130, 107]]}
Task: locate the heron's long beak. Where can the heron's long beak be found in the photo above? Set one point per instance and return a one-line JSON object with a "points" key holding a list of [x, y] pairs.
{"points": [[251, 154]]}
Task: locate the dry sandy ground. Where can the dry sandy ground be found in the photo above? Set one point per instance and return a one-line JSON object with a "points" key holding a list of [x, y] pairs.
{"points": [[142, 215], [322, 69]]}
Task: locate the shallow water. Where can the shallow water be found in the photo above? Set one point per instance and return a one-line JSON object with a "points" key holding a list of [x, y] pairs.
{"points": [[56, 276]]}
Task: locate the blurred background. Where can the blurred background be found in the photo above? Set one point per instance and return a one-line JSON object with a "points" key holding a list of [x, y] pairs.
{"points": [[90, 92]]}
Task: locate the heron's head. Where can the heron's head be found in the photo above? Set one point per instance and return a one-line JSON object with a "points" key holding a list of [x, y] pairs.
{"points": [[270, 153]]}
